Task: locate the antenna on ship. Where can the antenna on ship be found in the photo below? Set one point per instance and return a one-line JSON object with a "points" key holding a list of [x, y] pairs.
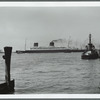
{"points": [[25, 44]]}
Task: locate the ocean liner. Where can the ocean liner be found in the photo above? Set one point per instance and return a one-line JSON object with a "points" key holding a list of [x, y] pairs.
{"points": [[50, 49]]}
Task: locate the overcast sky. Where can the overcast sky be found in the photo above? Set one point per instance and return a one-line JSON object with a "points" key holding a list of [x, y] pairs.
{"points": [[44, 24]]}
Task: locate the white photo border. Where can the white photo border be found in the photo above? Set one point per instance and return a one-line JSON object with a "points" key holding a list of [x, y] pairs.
{"points": [[51, 4]]}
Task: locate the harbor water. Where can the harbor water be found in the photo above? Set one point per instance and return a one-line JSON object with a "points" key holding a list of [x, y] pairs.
{"points": [[53, 73]]}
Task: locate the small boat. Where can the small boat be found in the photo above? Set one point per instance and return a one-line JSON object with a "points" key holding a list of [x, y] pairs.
{"points": [[4, 89], [90, 52]]}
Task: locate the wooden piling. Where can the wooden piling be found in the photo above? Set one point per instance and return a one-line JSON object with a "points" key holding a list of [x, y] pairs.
{"points": [[8, 86], [8, 51]]}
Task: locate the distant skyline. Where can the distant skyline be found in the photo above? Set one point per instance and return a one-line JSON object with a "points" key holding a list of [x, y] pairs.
{"points": [[44, 24]]}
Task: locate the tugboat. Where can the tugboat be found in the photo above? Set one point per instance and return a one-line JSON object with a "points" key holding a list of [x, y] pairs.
{"points": [[90, 52]]}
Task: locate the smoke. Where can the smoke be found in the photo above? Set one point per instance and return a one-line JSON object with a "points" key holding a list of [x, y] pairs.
{"points": [[60, 41], [70, 43]]}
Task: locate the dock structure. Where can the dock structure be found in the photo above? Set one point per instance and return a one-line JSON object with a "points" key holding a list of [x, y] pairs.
{"points": [[8, 86]]}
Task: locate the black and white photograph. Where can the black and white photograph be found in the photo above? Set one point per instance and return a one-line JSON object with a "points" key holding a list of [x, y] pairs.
{"points": [[50, 49]]}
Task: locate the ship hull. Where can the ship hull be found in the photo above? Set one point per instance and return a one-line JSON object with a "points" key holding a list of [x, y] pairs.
{"points": [[49, 51], [90, 56]]}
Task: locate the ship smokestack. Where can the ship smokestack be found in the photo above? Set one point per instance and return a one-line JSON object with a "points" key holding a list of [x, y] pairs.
{"points": [[35, 44], [89, 38], [51, 44]]}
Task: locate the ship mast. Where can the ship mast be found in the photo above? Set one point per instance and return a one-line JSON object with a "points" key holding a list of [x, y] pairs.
{"points": [[25, 44]]}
